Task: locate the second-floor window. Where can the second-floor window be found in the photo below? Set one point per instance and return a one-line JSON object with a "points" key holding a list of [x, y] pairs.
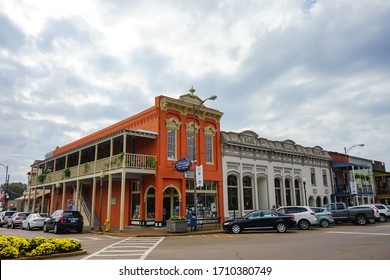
{"points": [[171, 144], [190, 143], [209, 149], [313, 176]]}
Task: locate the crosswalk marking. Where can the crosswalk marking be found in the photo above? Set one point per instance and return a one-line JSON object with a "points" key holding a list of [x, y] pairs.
{"points": [[131, 247]]}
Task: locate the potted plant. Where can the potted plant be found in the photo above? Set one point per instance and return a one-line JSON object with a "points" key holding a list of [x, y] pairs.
{"points": [[66, 173], [177, 224]]}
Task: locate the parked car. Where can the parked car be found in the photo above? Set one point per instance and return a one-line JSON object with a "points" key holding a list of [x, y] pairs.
{"points": [[377, 215], [16, 219], [34, 220], [304, 216], [324, 217], [357, 215], [4, 215], [259, 220], [384, 212], [63, 220]]}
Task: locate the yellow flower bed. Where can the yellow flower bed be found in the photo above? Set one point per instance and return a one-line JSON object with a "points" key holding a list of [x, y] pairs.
{"points": [[12, 247]]}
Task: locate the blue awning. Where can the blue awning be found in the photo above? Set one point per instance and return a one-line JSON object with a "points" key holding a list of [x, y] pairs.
{"points": [[347, 165]]}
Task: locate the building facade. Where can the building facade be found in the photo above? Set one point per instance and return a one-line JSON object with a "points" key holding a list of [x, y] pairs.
{"points": [[262, 174], [127, 172], [352, 179]]}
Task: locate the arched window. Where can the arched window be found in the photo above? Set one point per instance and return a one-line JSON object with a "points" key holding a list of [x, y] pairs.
{"points": [[278, 192], [232, 192], [288, 192], [248, 192]]}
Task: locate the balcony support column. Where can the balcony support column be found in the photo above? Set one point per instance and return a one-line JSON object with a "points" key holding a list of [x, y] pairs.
{"points": [[122, 205], [109, 195], [93, 203]]}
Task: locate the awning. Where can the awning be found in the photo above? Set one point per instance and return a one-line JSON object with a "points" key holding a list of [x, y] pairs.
{"points": [[347, 165], [381, 174]]}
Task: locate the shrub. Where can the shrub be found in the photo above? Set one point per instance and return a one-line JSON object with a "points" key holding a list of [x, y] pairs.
{"points": [[13, 247]]}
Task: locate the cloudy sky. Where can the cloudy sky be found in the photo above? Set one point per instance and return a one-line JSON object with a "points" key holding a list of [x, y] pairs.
{"points": [[315, 72]]}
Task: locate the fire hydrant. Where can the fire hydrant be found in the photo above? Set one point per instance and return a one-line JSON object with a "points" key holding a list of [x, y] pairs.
{"points": [[107, 225]]}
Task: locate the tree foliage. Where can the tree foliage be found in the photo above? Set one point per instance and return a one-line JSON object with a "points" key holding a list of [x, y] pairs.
{"points": [[15, 190]]}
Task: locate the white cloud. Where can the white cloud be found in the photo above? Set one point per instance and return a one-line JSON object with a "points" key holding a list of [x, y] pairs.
{"points": [[316, 72]]}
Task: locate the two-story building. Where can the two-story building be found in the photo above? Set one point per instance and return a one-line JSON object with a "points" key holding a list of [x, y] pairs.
{"points": [[262, 174], [127, 172]]}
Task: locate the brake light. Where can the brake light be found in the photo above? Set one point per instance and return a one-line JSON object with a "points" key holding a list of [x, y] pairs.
{"points": [[62, 219], [17, 219], [312, 213], [292, 218], [330, 214]]}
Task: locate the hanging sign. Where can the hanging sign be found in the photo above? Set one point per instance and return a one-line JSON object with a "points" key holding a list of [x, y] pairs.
{"points": [[199, 176], [183, 165]]}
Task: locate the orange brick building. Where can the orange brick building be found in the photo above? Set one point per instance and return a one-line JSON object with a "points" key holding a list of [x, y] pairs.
{"points": [[127, 172]]}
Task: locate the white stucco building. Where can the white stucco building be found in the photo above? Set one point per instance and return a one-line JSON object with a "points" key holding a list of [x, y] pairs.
{"points": [[262, 174]]}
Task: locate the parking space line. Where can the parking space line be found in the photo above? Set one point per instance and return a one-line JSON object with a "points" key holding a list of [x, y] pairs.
{"points": [[357, 233]]}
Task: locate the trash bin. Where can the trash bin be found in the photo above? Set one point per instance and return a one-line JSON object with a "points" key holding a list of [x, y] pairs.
{"points": [[191, 221]]}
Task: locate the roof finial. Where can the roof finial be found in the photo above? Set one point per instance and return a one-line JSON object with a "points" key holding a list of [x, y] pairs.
{"points": [[192, 90]]}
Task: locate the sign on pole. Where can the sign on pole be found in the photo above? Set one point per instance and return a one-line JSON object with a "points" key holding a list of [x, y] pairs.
{"points": [[199, 176]]}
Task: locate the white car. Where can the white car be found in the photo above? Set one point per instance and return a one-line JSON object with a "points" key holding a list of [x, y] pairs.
{"points": [[376, 212], [384, 212], [304, 215], [34, 221]]}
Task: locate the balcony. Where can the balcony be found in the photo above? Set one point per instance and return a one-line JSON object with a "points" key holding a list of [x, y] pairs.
{"points": [[132, 163]]}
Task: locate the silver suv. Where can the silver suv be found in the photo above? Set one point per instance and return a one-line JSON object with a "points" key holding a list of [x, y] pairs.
{"points": [[304, 216]]}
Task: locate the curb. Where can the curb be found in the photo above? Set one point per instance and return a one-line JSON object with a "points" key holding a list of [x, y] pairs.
{"points": [[55, 256]]}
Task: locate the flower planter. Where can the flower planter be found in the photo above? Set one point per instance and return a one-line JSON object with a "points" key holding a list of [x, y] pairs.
{"points": [[176, 226]]}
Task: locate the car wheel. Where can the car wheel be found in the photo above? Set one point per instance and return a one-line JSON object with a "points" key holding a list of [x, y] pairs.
{"points": [[382, 218], [45, 229], [324, 223], [281, 227], [236, 229], [12, 226], [303, 224], [56, 229], [28, 227], [361, 220]]}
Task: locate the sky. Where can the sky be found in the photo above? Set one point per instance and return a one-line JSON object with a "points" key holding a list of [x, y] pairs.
{"points": [[314, 72]]}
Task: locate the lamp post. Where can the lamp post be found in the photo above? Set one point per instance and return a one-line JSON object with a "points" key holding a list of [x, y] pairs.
{"points": [[101, 176], [353, 171], [24, 201], [304, 189], [6, 184], [195, 110]]}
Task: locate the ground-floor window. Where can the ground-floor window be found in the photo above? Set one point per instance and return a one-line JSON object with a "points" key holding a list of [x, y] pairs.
{"points": [[135, 201], [150, 204], [206, 197]]}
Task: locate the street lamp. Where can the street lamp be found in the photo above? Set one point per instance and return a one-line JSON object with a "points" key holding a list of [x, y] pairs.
{"points": [[195, 110], [101, 176], [347, 150], [6, 184], [304, 189]]}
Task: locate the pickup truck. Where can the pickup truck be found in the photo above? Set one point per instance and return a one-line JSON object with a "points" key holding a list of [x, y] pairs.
{"points": [[357, 215]]}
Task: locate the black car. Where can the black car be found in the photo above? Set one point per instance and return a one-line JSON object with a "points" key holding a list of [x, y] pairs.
{"points": [[62, 220], [259, 220]]}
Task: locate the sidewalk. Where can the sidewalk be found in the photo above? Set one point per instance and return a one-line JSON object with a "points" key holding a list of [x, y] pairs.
{"points": [[142, 231]]}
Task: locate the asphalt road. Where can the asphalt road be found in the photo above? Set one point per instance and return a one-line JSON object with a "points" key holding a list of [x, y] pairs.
{"points": [[338, 242]]}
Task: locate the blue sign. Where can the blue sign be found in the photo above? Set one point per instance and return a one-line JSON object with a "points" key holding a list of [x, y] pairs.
{"points": [[183, 165]]}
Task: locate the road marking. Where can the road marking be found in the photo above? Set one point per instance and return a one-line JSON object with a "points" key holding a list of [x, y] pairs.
{"points": [[362, 233], [91, 238], [134, 247]]}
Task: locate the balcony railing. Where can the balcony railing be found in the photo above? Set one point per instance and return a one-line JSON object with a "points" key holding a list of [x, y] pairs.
{"points": [[136, 162]]}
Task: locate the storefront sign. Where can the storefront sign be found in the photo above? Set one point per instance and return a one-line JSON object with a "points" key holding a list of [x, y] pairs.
{"points": [[183, 165]]}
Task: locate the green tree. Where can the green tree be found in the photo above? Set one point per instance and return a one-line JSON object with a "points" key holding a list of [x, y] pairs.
{"points": [[15, 190]]}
